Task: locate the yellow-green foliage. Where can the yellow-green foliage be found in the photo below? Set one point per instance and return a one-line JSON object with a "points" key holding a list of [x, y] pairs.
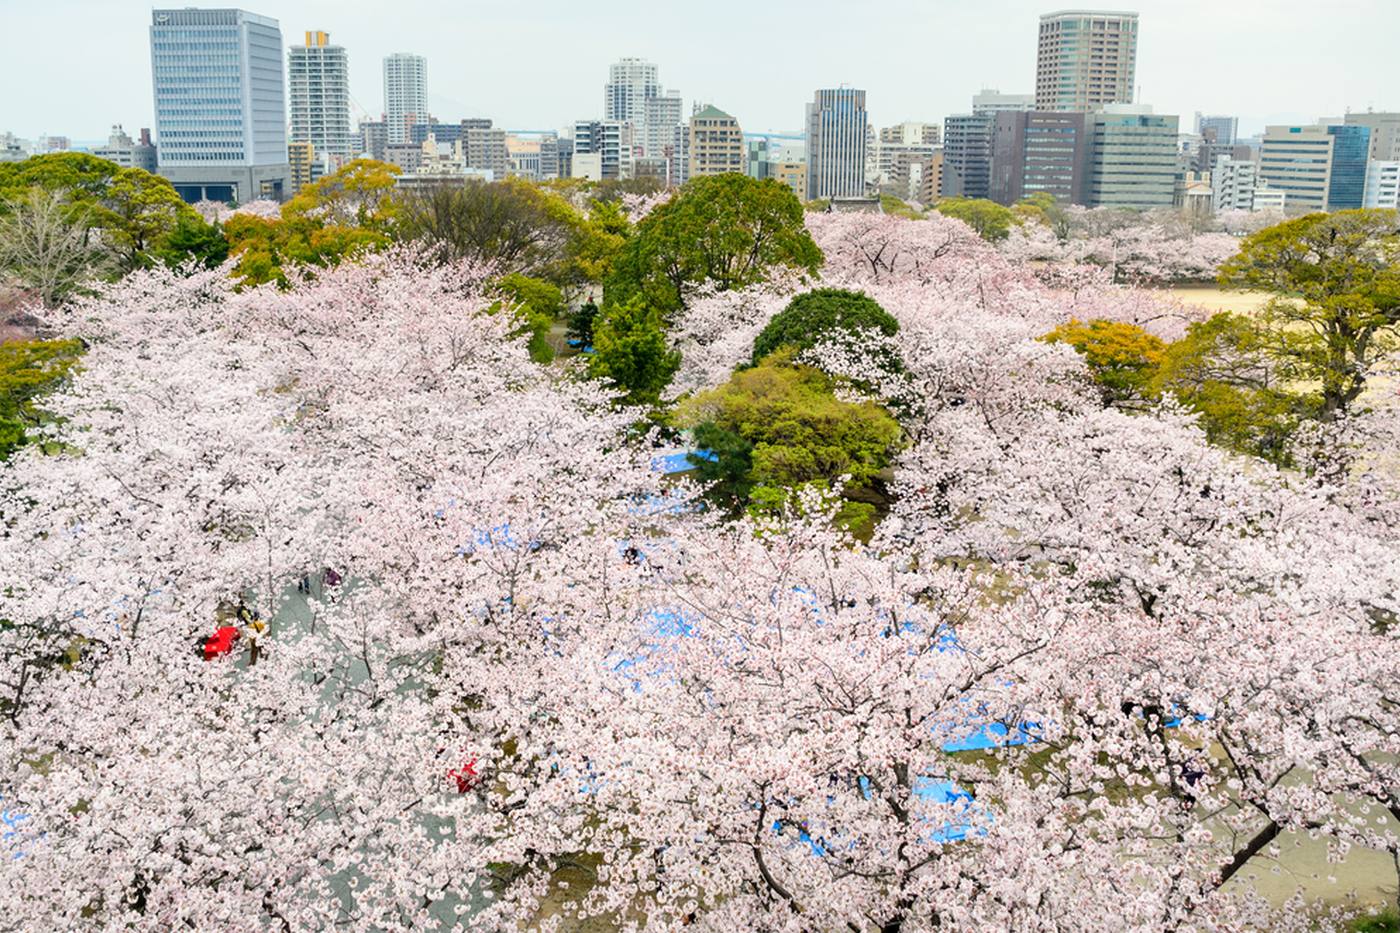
{"points": [[28, 370], [777, 427], [1121, 357]]}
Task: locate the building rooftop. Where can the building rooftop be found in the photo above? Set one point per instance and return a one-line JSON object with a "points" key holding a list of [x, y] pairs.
{"points": [[711, 112]]}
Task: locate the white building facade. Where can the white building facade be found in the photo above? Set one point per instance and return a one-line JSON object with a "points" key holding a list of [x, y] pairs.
{"points": [[405, 95]]}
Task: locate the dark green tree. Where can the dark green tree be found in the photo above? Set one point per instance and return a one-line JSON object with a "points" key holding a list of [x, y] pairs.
{"points": [[193, 239], [29, 369], [819, 314], [729, 231], [629, 350]]}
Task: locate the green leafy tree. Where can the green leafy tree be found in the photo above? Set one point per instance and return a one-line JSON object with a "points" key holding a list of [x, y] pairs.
{"points": [[1222, 369], [1041, 207], [193, 239], [1336, 282], [137, 211], [630, 350], [360, 194], [29, 369], [819, 314], [539, 304], [82, 177], [1122, 358], [991, 220], [729, 231], [267, 247], [785, 422]]}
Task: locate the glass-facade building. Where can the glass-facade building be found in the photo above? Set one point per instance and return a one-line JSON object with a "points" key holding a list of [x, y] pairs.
{"points": [[1351, 148], [220, 105], [837, 125]]}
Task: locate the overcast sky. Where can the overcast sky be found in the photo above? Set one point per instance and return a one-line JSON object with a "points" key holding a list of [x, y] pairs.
{"points": [[74, 67]]}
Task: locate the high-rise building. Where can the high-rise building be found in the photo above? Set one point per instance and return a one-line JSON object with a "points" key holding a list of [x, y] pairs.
{"points": [[992, 100], [318, 89], [1133, 158], [1385, 133], [610, 141], [901, 156], [967, 155], [634, 95], [127, 152], [716, 143], [221, 112], [1346, 190], [405, 94], [1086, 59], [1232, 184], [1036, 151], [1382, 185], [836, 141]]}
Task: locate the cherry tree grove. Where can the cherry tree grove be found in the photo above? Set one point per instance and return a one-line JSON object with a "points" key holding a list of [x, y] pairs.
{"points": [[487, 670]]}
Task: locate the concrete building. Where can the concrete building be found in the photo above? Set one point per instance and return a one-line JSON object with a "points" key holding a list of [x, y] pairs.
{"points": [[587, 165], [1086, 59], [1320, 167], [1385, 133], [1133, 158], [992, 100], [911, 133], [220, 105], [318, 90], [716, 143], [836, 144], [484, 146], [407, 156], [661, 118], [900, 156], [127, 152], [405, 94], [611, 141], [1232, 184], [1039, 151], [374, 137], [967, 155], [1193, 194], [1267, 198], [1382, 185], [930, 179]]}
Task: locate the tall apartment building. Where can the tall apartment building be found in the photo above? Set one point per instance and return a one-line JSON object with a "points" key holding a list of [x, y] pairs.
{"points": [[1382, 185], [1385, 133], [128, 152], [716, 143], [405, 94], [1133, 158], [1037, 151], [901, 155], [967, 155], [1086, 59], [634, 95], [836, 144], [610, 141], [301, 158], [374, 137], [318, 91], [220, 106], [992, 100], [1232, 184]]}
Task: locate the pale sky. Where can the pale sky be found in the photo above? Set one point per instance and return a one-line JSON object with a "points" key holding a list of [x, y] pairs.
{"points": [[74, 67]]}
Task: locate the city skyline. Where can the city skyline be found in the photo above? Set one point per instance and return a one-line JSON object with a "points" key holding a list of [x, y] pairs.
{"points": [[545, 70]]}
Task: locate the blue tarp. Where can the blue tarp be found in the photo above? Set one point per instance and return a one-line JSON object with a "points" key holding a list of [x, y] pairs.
{"points": [[679, 462]]}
